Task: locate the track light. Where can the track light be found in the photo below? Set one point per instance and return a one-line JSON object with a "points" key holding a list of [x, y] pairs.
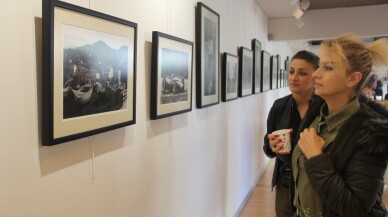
{"points": [[298, 12], [304, 4], [300, 8], [299, 23]]}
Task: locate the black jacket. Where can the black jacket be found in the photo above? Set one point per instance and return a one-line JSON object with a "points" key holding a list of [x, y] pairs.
{"points": [[348, 176], [278, 118]]}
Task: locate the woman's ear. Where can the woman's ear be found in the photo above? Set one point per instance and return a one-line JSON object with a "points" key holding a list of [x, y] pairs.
{"points": [[354, 79]]}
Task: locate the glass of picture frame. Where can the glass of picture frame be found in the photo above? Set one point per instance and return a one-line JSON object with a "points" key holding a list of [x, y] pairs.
{"points": [[256, 47], [246, 72], [265, 71], [274, 72], [229, 78], [279, 72], [286, 70]]}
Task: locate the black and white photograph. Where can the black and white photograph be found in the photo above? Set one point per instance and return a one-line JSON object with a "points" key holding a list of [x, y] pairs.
{"points": [[171, 73], [256, 47], [286, 71], [174, 76], [210, 56], [95, 68], [207, 59], [246, 72], [89, 72], [229, 77], [280, 72], [280, 78], [265, 71], [274, 72]]}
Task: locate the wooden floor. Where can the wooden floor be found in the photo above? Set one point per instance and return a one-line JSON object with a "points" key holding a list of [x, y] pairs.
{"points": [[262, 201]]}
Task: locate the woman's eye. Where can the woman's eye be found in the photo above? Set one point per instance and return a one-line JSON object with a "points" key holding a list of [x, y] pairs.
{"points": [[328, 68], [292, 72]]}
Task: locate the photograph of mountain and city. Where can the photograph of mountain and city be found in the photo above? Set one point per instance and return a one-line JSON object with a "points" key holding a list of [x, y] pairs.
{"points": [[95, 72]]}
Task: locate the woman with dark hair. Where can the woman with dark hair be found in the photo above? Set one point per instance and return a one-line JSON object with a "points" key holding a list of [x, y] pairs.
{"points": [[286, 113], [341, 156]]}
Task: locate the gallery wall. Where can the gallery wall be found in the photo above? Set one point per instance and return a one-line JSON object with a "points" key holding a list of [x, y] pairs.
{"points": [[202, 163]]}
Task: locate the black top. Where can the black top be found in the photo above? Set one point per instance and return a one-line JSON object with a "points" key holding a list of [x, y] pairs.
{"points": [[282, 115]]}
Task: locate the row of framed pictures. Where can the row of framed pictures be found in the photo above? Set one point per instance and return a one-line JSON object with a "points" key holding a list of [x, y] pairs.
{"points": [[89, 71], [253, 71]]}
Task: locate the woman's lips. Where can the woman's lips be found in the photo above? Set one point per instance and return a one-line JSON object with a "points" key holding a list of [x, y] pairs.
{"points": [[317, 85]]}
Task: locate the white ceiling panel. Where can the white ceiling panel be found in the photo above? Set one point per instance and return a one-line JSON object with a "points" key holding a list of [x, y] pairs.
{"points": [[284, 8]]}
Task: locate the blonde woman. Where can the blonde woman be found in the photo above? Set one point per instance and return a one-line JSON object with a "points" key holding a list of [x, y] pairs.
{"points": [[340, 160]]}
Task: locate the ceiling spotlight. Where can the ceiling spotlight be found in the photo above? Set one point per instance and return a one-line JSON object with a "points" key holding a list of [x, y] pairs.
{"points": [[298, 12], [304, 4], [299, 24]]}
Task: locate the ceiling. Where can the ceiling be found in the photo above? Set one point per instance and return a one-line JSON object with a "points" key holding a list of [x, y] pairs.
{"points": [[284, 8]]}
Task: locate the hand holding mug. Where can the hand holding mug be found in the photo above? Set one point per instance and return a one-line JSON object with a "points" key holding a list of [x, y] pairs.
{"points": [[280, 142], [275, 143]]}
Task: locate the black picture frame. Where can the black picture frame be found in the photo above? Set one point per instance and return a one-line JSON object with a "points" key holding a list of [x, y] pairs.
{"points": [[256, 47], [246, 72], [274, 72], [280, 71], [89, 72], [229, 77], [286, 71], [207, 30], [281, 78], [265, 71], [171, 75]]}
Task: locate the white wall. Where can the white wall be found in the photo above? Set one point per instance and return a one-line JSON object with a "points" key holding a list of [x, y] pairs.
{"points": [[202, 163]]}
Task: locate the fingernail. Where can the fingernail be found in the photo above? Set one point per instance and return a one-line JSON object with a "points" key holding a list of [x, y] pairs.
{"points": [[279, 140], [276, 135]]}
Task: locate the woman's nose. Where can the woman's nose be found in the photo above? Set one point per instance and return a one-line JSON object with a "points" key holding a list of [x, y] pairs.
{"points": [[294, 77], [316, 73]]}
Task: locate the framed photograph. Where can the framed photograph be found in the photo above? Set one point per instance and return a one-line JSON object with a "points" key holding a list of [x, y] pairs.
{"points": [[89, 72], [274, 72], [246, 72], [285, 77], [280, 72], [281, 78], [171, 75], [207, 30], [229, 84], [256, 47], [265, 71], [286, 70]]}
